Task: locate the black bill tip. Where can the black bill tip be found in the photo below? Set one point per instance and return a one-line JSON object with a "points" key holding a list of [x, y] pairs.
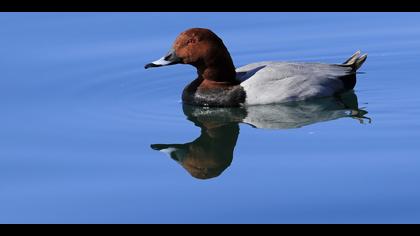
{"points": [[150, 65], [159, 146]]}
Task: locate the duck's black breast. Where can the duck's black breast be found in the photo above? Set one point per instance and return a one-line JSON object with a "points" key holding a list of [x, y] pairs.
{"points": [[230, 96]]}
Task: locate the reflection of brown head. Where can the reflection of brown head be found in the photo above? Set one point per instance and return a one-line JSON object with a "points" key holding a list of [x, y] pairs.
{"points": [[207, 156], [210, 154], [202, 166]]}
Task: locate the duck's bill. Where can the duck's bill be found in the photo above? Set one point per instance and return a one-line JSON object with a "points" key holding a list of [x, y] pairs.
{"points": [[176, 151], [170, 59]]}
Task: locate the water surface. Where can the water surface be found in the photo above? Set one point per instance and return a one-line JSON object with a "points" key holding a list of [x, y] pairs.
{"points": [[82, 123]]}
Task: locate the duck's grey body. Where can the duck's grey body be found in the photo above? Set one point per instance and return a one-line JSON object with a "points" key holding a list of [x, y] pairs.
{"points": [[277, 82]]}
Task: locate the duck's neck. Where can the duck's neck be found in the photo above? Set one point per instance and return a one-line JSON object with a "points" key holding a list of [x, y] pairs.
{"points": [[217, 70], [218, 75]]}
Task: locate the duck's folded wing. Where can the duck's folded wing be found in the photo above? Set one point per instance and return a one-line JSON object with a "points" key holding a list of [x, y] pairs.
{"points": [[277, 82]]}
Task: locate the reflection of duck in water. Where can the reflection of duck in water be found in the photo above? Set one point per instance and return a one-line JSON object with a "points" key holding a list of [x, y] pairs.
{"points": [[298, 114], [211, 153]]}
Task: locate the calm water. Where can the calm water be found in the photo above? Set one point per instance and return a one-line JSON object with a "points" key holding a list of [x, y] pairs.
{"points": [[82, 123]]}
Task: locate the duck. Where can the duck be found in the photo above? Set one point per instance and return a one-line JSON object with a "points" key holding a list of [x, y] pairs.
{"points": [[219, 84]]}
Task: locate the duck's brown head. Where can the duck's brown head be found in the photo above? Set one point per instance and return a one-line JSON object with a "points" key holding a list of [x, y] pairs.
{"points": [[202, 49]]}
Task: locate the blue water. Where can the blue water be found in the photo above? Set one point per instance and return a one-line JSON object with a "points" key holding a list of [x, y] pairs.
{"points": [[81, 119]]}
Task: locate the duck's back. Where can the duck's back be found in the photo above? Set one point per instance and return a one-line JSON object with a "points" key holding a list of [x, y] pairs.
{"points": [[277, 82]]}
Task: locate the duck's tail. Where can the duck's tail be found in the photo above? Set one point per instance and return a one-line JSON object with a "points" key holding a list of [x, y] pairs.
{"points": [[356, 61]]}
